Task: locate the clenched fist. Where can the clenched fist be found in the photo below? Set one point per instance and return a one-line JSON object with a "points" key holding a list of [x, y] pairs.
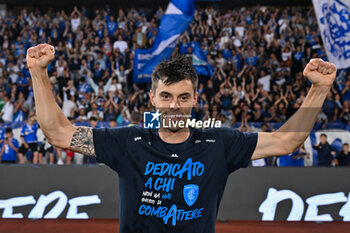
{"points": [[320, 73], [40, 56]]}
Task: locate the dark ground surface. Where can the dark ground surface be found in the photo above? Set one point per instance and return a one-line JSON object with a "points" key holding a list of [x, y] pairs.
{"points": [[111, 225]]}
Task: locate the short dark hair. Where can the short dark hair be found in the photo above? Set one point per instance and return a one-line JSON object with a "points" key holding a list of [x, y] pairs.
{"points": [[8, 130], [93, 118], [175, 70], [323, 135], [346, 144], [135, 117], [70, 118]]}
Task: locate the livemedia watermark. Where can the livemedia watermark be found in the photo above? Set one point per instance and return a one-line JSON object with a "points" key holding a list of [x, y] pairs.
{"points": [[157, 120]]}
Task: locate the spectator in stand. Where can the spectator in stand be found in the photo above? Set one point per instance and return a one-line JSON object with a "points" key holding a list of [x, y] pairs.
{"points": [[122, 76], [69, 106], [139, 38], [96, 87], [112, 123], [95, 112], [295, 159], [258, 54], [22, 84], [111, 25], [29, 140], [69, 156], [345, 113], [120, 44], [7, 111], [330, 108], [81, 115], [135, 119], [20, 111], [46, 148], [75, 19], [325, 152], [343, 157], [9, 148]]}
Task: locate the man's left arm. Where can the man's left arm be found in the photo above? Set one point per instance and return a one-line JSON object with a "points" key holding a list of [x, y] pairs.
{"points": [[294, 132]]}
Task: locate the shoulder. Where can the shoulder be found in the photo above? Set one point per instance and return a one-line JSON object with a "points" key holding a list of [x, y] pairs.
{"points": [[223, 131], [232, 135], [123, 131], [219, 133]]}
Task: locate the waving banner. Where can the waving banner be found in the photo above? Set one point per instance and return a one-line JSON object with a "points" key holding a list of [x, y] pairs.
{"points": [[333, 18], [176, 19]]}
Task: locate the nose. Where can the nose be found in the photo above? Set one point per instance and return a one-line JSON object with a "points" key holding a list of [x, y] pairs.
{"points": [[174, 105]]}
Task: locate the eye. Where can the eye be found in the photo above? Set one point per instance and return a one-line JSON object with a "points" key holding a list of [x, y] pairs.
{"points": [[184, 98], [165, 97]]}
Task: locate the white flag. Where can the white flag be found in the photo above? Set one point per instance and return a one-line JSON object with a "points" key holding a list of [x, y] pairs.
{"points": [[333, 17]]}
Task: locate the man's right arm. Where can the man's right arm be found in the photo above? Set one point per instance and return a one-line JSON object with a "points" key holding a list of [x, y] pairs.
{"points": [[82, 141], [56, 127]]}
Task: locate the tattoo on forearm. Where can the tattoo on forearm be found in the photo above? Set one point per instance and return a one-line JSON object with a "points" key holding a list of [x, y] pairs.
{"points": [[82, 140]]}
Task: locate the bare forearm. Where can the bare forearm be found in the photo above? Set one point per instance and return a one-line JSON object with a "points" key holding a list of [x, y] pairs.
{"points": [[23, 141], [50, 117], [13, 147], [298, 127], [293, 133]]}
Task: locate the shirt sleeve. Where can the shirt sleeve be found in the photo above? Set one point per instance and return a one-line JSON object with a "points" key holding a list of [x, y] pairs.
{"points": [[110, 145], [239, 147], [15, 143], [22, 131]]}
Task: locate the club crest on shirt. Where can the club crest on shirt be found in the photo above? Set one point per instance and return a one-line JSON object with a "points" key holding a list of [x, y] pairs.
{"points": [[190, 193]]}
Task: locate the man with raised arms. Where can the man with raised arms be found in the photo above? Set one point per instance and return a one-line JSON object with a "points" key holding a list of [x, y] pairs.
{"points": [[172, 179]]}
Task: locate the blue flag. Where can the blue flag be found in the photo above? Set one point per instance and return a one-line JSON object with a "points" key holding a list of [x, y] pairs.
{"points": [[333, 18], [200, 61], [176, 19]]}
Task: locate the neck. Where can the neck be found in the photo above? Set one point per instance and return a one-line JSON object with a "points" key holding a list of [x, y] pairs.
{"points": [[179, 136]]}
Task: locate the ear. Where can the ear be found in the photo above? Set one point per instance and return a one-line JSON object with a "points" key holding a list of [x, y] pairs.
{"points": [[151, 97], [195, 98]]}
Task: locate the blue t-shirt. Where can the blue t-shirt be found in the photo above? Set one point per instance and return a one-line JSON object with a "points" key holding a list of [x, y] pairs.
{"points": [[328, 108], [298, 56], [85, 88], [183, 47], [226, 53], [288, 161], [19, 116], [22, 80], [237, 62], [171, 187], [9, 153], [29, 132], [252, 61], [111, 27]]}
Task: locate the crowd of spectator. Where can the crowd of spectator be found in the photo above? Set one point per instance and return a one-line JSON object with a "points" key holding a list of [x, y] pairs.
{"points": [[258, 54]]}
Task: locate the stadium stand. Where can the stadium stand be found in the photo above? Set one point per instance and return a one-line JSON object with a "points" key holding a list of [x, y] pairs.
{"points": [[257, 55]]}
